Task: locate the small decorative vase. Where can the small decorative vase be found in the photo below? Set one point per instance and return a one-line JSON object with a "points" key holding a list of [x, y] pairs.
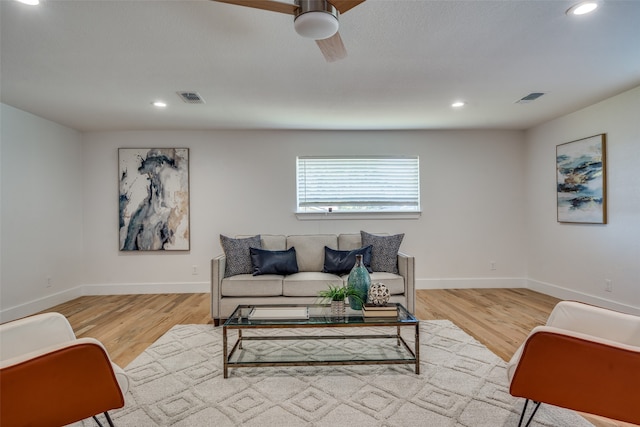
{"points": [[360, 281], [379, 294], [337, 308]]}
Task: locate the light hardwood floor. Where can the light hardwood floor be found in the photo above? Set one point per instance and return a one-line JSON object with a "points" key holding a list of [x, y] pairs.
{"points": [[127, 324]]}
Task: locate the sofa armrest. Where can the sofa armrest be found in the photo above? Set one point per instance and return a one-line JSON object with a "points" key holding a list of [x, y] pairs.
{"points": [[218, 265], [406, 268], [579, 372]]}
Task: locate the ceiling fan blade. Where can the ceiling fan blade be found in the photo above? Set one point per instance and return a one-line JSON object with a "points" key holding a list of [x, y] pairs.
{"points": [[332, 48], [273, 6], [345, 5]]}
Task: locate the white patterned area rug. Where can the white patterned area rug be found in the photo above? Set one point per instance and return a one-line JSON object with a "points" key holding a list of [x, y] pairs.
{"points": [[178, 381]]}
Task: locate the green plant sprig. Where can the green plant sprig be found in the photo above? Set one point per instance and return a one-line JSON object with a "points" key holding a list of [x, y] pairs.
{"points": [[339, 293]]}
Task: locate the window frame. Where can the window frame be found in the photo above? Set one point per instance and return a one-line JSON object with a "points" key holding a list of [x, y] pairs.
{"points": [[327, 213]]}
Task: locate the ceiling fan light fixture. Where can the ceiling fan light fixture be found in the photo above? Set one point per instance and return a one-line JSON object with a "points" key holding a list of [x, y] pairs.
{"points": [[316, 25], [316, 19]]}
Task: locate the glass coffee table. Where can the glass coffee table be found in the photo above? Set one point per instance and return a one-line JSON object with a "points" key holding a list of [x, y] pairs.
{"points": [[307, 335]]}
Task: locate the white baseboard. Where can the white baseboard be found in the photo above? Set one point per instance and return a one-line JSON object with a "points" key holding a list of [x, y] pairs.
{"points": [[535, 285], [570, 294], [472, 283], [31, 307], [49, 301], [147, 288]]}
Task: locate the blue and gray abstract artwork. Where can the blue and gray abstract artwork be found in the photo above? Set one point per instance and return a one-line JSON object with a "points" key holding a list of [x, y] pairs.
{"points": [[580, 181], [154, 199]]}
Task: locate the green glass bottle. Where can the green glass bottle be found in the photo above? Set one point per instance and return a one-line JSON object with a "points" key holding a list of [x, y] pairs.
{"points": [[360, 281]]}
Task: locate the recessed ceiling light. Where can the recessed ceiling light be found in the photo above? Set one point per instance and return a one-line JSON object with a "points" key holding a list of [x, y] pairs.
{"points": [[582, 8], [458, 104], [30, 2], [159, 104]]}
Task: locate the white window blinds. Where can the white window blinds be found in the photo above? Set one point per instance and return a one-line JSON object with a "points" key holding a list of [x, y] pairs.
{"points": [[358, 184]]}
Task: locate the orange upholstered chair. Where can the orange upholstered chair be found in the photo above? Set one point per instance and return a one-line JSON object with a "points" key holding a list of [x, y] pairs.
{"points": [[48, 377], [585, 358]]}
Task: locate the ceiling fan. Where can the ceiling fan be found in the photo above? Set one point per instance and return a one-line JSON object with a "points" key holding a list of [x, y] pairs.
{"points": [[315, 19]]}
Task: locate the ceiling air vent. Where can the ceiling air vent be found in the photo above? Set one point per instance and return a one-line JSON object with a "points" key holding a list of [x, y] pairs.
{"points": [[529, 98], [191, 97]]}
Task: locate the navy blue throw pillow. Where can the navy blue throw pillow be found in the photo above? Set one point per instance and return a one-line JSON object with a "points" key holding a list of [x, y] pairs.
{"points": [[341, 262], [273, 262]]}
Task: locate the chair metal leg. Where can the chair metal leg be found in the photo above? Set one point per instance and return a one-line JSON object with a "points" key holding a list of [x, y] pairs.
{"points": [[106, 415], [524, 409]]}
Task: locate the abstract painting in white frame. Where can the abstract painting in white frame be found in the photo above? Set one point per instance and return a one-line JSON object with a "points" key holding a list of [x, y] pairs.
{"points": [[154, 199]]}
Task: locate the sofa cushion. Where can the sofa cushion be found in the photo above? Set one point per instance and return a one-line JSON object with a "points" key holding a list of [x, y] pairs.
{"points": [[310, 249], [273, 262], [247, 285], [341, 262], [384, 255], [349, 242], [237, 253], [308, 283], [273, 242], [393, 282]]}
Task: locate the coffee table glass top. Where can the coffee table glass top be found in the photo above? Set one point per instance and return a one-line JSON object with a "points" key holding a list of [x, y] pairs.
{"points": [[310, 314]]}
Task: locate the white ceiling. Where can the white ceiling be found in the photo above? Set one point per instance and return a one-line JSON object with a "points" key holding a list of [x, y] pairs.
{"points": [[98, 64]]}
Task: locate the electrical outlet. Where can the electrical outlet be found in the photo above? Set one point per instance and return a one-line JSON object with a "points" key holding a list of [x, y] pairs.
{"points": [[492, 265], [49, 282], [194, 270], [608, 285]]}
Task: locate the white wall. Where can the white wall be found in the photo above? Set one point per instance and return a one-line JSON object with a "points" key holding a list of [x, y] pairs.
{"points": [[573, 260], [486, 196], [41, 213], [243, 182]]}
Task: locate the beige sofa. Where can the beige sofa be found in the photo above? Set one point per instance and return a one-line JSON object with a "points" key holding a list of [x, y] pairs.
{"points": [[302, 287]]}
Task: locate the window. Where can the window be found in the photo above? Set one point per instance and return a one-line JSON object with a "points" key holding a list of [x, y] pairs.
{"points": [[362, 184]]}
